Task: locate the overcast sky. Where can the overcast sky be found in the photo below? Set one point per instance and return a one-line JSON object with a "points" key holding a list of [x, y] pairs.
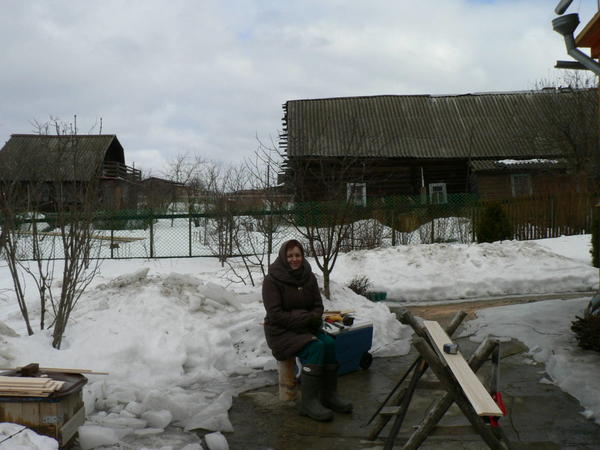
{"points": [[207, 77]]}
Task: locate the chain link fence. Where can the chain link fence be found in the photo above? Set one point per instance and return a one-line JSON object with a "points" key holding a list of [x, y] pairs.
{"points": [[390, 221]]}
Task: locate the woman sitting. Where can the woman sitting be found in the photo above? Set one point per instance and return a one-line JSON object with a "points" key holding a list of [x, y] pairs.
{"points": [[293, 328]]}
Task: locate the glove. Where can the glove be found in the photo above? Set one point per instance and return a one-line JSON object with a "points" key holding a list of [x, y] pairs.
{"points": [[314, 324]]}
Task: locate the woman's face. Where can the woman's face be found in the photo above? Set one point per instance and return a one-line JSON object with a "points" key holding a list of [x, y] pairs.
{"points": [[294, 258]]}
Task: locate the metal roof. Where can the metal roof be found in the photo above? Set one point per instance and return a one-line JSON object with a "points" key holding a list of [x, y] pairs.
{"points": [[57, 158], [484, 126]]}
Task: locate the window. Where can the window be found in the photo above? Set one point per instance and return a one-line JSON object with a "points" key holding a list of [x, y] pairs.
{"points": [[356, 194], [521, 184], [437, 193]]}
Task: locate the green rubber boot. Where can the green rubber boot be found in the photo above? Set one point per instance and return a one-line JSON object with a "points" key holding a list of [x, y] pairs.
{"points": [[329, 395], [310, 385]]}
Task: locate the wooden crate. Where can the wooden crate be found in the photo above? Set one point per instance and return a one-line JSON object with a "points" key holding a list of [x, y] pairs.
{"points": [[57, 416]]}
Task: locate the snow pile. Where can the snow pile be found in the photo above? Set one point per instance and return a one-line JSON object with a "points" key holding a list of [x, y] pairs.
{"points": [[436, 272], [545, 328], [17, 437], [178, 348]]}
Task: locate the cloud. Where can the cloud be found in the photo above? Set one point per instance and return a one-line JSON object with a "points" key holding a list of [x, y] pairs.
{"points": [[207, 77]]}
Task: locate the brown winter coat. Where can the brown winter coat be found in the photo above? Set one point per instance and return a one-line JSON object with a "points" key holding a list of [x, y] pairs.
{"points": [[290, 299]]}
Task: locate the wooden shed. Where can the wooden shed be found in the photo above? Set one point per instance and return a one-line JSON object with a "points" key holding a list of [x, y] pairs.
{"points": [[61, 165]]}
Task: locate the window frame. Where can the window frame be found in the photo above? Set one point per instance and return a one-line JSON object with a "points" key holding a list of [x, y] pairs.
{"points": [[433, 194], [351, 194], [513, 185]]}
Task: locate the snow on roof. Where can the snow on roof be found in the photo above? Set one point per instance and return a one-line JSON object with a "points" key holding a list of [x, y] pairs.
{"points": [[508, 162]]}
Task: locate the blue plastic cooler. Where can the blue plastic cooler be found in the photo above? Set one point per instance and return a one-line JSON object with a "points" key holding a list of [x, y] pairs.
{"points": [[352, 347]]}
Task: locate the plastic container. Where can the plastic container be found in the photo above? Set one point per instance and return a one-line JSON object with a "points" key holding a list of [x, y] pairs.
{"points": [[376, 296]]}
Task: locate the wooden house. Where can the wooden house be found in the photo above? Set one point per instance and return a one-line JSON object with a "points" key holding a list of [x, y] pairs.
{"points": [[61, 166], [259, 199], [434, 146], [157, 193], [589, 37]]}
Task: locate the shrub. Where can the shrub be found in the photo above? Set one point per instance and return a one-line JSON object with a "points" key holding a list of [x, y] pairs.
{"points": [[493, 225], [360, 285], [587, 332]]}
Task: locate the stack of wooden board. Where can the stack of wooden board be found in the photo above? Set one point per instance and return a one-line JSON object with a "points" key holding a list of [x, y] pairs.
{"points": [[28, 386]]}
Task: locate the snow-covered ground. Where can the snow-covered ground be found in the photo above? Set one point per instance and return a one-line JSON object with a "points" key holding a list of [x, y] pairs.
{"points": [[544, 327], [439, 272], [179, 342]]}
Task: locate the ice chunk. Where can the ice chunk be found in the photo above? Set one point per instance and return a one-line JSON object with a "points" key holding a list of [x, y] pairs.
{"points": [[128, 279], [158, 419], [214, 417], [92, 436], [134, 408], [196, 304], [216, 441], [219, 294], [192, 447], [5, 330], [117, 421], [148, 431]]}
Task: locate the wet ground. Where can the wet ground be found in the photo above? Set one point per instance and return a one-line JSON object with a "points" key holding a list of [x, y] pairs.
{"points": [[540, 415]]}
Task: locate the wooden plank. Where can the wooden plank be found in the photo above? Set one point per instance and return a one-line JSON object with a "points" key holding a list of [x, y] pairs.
{"points": [[23, 380], [50, 417], [50, 387], [389, 410], [11, 411], [437, 410], [475, 392], [454, 389], [30, 414], [24, 394], [86, 371], [58, 369], [71, 426], [26, 383]]}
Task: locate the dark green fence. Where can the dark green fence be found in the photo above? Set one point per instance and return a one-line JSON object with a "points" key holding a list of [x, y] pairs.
{"points": [[238, 231]]}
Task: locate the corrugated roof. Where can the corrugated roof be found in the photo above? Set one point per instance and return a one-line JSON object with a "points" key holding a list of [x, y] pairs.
{"points": [[497, 125], [64, 158]]}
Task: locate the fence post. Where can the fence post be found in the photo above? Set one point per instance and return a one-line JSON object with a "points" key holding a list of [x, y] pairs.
{"points": [[393, 229], [473, 219], [552, 218], [190, 234], [432, 229], [151, 234]]}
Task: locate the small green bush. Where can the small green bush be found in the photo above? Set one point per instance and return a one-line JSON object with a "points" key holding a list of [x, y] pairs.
{"points": [[360, 285], [493, 224], [587, 332]]}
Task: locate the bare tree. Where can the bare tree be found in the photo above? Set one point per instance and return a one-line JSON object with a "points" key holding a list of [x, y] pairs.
{"points": [[11, 195], [71, 205], [342, 181], [77, 204], [571, 114], [255, 236], [188, 172], [220, 205]]}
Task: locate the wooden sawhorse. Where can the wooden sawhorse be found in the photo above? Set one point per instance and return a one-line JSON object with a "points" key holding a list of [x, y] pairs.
{"points": [[457, 378]]}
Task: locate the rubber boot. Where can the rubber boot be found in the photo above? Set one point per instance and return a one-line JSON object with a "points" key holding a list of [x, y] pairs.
{"points": [[329, 395], [310, 385]]}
